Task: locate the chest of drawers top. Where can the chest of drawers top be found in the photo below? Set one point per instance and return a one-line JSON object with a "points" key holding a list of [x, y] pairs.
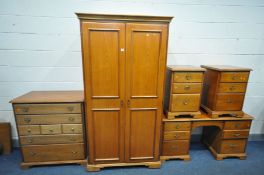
{"points": [[50, 97]]}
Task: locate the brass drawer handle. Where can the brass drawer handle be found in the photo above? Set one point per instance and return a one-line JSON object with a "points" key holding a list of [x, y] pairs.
{"points": [[176, 136], [237, 135], [72, 139], [51, 130], [234, 77], [30, 140], [185, 103], [25, 109], [177, 126], [229, 101], [29, 130], [187, 87], [32, 153], [71, 119], [173, 147], [70, 108], [27, 120], [74, 152], [188, 77], [237, 125], [72, 129], [232, 145], [232, 88]]}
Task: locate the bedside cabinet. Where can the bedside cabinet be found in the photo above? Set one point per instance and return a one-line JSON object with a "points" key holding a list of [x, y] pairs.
{"points": [[50, 127], [183, 91], [224, 90]]}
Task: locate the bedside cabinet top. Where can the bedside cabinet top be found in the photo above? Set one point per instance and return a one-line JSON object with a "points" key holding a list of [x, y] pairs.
{"points": [[188, 68], [50, 97], [225, 68]]}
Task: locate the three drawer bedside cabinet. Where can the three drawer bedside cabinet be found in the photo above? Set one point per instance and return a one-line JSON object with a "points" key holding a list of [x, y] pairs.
{"points": [[183, 91], [224, 90], [50, 127], [224, 136]]}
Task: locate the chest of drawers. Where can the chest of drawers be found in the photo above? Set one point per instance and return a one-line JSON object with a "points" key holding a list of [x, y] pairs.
{"points": [[50, 127], [224, 90], [183, 91]]}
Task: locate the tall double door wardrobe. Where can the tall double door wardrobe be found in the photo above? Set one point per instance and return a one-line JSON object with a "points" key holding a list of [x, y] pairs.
{"points": [[124, 63]]}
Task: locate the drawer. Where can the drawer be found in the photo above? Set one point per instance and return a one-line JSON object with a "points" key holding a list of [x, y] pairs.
{"points": [[50, 129], [233, 146], [47, 108], [235, 125], [188, 77], [48, 119], [177, 135], [44, 153], [234, 76], [72, 128], [177, 126], [28, 130], [174, 148], [51, 139], [186, 88], [236, 134], [229, 102], [183, 102], [232, 87]]}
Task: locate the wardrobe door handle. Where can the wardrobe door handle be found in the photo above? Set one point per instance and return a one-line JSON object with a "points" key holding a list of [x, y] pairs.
{"points": [[128, 103], [122, 103]]}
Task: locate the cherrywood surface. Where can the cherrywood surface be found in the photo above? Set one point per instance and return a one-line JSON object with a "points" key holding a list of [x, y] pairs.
{"points": [[5, 137], [48, 119], [54, 152], [186, 88], [124, 18], [225, 136], [50, 97], [234, 76], [232, 87], [124, 62], [185, 68], [45, 108], [190, 77], [104, 84], [51, 139], [225, 68]]}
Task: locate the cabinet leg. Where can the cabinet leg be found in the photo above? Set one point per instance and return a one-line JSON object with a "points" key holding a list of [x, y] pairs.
{"points": [[154, 165], [91, 168]]}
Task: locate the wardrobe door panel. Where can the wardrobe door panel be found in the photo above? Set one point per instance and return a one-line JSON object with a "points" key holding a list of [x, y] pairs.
{"points": [[104, 63], [146, 46]]}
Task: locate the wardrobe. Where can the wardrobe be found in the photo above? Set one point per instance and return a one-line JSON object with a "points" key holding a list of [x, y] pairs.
{"points": [[124, 63]]}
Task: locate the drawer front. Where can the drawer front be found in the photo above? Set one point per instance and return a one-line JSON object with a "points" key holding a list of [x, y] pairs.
{"points": [[235, 125], [229, 102], [48, 119], [50, 129], [177, 126], [186, 88], [234, 76], [43, 153], [232, 87], [235, 134], [233, 146], [174, 148], [47, 108], [51, 139], [182, 102], [72, 128], [176, 135], [28, 130], [188, 77]]}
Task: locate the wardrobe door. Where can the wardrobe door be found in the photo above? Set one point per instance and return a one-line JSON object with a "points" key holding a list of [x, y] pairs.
{"points": [[146, 49], [103, 65]]}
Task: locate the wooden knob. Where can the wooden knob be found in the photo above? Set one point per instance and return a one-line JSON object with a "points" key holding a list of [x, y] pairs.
{"points": [[237, 135], [30, 140], [25, 109], [72, 129], [74, 152], [177, 127], [232, 88], [185, 103], [232, 145], [188, 77], [176, 136], [32, 153], [72, 139], [29, 130], [51, 130]]}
